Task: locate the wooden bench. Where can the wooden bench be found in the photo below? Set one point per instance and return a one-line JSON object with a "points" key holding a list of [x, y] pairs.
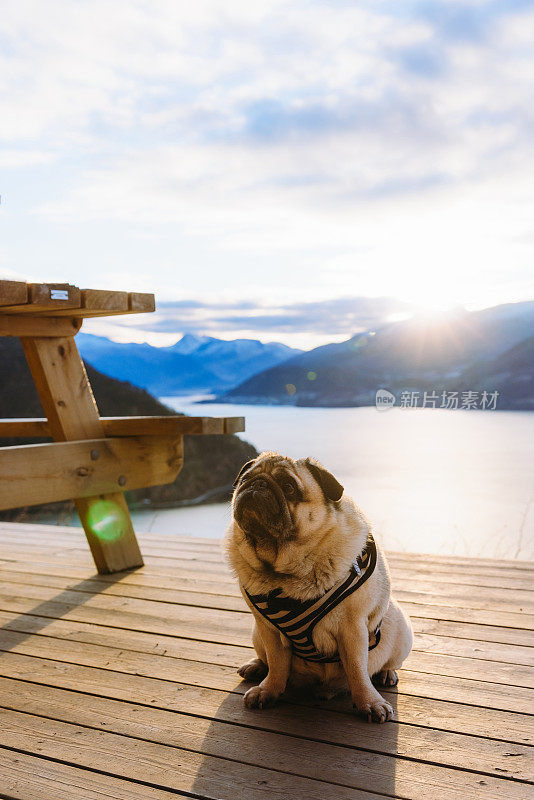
{"points": [[93, 459]]}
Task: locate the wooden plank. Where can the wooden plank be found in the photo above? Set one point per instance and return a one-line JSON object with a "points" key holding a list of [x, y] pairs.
{"points": [[222, 595], [141, 303], [100, 303], [467, 570], [44, 473], [68, 402], [165, 690], [463, 566], [405, 587], [13, 293], [179, 643], [134, 426], [222, 581], [249, 770], [59, 299], [170, 425], [26, 777], [460, 561], [234, 424], [46, 297], [517, 600], [18, 325], [411, 710], [303, 742], [213, 561], [224, 630], [215, 579], [427, 640], [213, 557], [199, 566], [165, 766], [184, 549], [171, 567], [24, 426], [174, 645]]}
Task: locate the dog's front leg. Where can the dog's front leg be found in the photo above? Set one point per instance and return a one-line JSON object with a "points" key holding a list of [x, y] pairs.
{"points": [[353, 645], [278, 652]]}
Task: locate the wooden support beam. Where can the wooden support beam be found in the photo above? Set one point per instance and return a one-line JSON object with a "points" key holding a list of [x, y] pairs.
{"points": [[68, 402], [134, 426], [26, 325], [45, 473]]}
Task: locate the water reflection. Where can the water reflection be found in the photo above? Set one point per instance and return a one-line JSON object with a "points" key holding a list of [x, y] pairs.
{"points": [[454, 482]]}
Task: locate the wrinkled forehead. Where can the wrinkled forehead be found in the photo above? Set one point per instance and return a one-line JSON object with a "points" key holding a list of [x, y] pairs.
{"points": [[282, 467], [273, 464]]}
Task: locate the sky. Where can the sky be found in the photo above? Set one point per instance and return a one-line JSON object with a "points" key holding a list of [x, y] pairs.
{"points": [[292, 171]]}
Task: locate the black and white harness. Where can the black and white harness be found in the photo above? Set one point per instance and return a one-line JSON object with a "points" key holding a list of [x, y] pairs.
{"points": [[296, 619]]}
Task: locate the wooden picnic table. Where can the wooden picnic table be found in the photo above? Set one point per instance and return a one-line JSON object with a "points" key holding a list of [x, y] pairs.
{"points": [[92, 460]]}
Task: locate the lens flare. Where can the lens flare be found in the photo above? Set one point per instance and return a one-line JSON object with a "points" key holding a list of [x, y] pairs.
{"points": [[107, 520]]}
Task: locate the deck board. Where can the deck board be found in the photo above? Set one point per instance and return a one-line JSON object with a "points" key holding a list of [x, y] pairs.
{"points": [[125, 686]]}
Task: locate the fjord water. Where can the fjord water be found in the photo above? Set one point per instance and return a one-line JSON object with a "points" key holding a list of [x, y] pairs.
{"points": [[431, 481]]}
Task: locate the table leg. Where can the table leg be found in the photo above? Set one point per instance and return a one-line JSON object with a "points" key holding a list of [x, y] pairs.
{"points": [[69, 404]]}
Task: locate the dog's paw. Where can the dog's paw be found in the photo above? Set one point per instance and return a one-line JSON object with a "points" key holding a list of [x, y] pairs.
{"points": [[375, 711], [257, 697], [253, 671], [386, 678]]}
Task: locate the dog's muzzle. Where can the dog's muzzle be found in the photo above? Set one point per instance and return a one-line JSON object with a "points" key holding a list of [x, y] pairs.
{"points": [[260, 508]]}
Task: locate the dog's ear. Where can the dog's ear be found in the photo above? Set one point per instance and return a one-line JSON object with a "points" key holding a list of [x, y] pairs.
{"points": [[331, 487], [242, 470]]}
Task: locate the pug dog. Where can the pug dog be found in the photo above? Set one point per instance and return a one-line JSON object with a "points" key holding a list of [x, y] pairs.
{"points": [[318, 586]]}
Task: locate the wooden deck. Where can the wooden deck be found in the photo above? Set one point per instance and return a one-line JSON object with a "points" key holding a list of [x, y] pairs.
{"points": [[124, 686]]}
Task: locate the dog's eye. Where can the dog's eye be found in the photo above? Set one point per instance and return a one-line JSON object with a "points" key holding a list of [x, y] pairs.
{"points": [[289, 488]]}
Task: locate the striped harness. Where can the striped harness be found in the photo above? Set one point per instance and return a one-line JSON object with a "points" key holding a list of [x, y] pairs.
{"points": [[296, 619]]}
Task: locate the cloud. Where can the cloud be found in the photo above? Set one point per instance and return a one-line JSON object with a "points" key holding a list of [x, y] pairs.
{"points": [[16, 158], [340, 146], [331, 318]]}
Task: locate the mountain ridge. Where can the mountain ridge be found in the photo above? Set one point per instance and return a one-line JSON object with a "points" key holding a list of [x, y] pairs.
{"points": [[421, 353], [194, 364]]}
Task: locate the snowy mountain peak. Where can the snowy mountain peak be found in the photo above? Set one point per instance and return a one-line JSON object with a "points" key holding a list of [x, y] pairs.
{"points": [[189, 343]]}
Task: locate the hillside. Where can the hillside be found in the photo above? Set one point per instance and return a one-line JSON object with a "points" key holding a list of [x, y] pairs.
{"points": [[210, 461], [490, 347], [195, 364]]}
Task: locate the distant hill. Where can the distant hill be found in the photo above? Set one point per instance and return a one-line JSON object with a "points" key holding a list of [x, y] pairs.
{"points": [[195, 364], [492, 349], [210, 461]]}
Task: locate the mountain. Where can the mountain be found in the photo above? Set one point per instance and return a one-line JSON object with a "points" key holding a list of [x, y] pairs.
{"points": [[490, 347], [195, 364], [211, 462], [511, 374]]}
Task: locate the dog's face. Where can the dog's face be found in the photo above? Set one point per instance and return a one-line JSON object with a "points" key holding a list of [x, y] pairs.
{"points": [[277, 499]]}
